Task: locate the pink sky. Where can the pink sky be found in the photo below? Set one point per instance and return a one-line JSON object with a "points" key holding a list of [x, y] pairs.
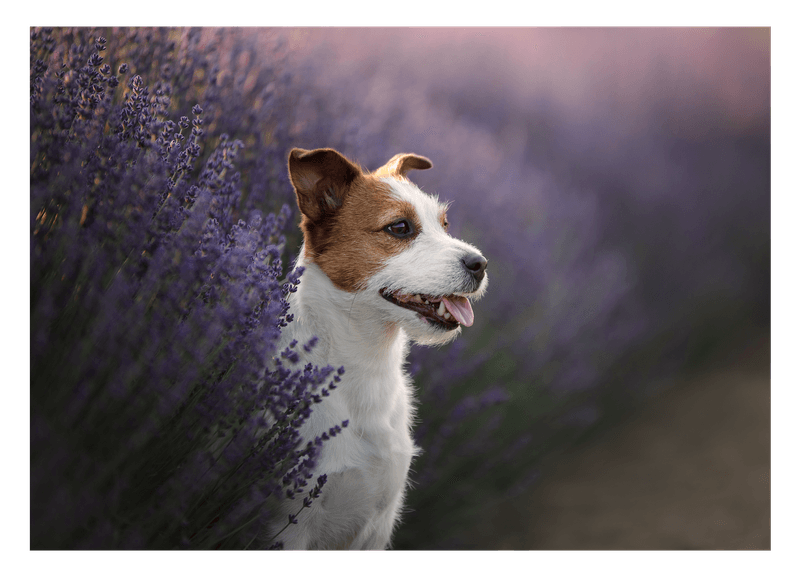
{"points": [[579, 68]]}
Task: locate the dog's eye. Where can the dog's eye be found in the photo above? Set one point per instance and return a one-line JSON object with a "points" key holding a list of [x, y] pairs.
{"points": [[400, 229]]}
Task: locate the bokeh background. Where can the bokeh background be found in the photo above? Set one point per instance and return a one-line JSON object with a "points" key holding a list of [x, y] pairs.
{"points": [[618, 180]]}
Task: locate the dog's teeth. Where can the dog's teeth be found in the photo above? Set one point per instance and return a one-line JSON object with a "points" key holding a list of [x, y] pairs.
{"points": [[441, 309], [447, 315], [416, 298]]}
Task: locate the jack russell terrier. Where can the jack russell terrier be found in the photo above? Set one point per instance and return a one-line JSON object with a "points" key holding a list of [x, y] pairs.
{"points": [[380, 271]]}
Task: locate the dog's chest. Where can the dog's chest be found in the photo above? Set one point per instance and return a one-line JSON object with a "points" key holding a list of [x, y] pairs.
{"points": [[387, 465], [374, 452]]}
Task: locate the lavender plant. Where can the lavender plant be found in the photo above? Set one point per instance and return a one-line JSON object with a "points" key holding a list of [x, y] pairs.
{"points": [[161, 414]]}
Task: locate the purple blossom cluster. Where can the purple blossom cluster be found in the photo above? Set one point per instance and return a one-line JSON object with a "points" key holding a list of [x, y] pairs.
{"points": [[161, 414]]}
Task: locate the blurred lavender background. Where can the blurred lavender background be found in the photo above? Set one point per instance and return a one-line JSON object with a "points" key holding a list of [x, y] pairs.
{"points": [[618, 180]]}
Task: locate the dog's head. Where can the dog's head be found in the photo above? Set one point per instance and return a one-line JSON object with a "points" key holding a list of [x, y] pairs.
{"points": [[379, 236]]}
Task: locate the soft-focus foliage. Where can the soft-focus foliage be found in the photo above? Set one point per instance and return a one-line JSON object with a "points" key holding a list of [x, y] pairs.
{"points": [[624, 209]]}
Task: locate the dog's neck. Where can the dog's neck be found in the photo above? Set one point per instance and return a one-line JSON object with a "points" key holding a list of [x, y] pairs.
{"points": [[339, 318], [351, 335]]}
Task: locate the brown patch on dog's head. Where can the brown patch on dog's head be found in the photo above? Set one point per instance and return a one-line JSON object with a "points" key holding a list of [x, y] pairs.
{"points": [[345, 212]]}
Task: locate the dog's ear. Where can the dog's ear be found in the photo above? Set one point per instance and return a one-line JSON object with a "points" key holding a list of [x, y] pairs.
{"points": [[400, 164], [321, 179]]}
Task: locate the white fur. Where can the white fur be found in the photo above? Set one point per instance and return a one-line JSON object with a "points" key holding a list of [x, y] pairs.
{"points": [[367, 464]]}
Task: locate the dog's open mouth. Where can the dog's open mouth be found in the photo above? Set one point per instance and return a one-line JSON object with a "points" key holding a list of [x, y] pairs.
{"points": [[445, 311]]}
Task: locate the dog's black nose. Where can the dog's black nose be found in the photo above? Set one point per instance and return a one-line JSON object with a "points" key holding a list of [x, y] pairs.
{"points": [[476, 265]]}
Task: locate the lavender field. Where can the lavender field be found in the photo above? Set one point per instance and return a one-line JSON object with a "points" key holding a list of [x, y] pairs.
{"points": [[618, 181]]}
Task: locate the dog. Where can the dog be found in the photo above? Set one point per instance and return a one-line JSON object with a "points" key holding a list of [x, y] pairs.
{"points": [[380, 271]]}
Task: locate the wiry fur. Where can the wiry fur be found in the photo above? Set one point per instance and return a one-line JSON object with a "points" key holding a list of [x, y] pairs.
{"points": [[367, 464]]}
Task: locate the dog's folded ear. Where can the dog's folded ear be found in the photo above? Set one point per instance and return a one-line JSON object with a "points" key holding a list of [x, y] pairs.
{"points": [[400, 164], [321, 179]]}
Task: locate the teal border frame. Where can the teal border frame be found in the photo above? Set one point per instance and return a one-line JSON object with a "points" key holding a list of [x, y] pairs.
{"points": [[13, 330]]}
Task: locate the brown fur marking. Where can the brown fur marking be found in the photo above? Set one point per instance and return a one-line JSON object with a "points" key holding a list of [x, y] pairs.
{"points": [[344, 213]]}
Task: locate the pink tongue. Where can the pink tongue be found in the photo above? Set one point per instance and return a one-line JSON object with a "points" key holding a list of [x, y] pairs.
{"points": [[460, 308]]}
